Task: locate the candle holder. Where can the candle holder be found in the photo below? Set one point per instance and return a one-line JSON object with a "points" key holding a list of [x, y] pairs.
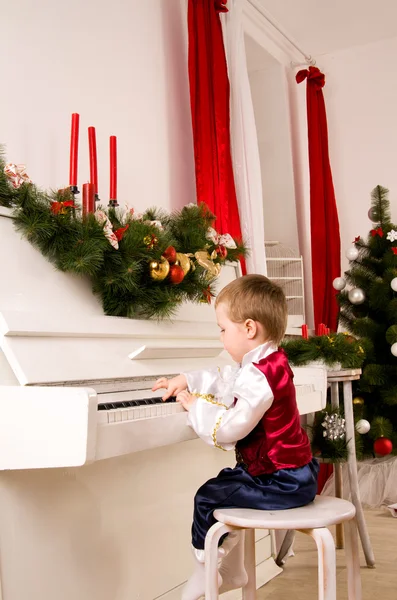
{"points": [[113, 203], [74, 189]]}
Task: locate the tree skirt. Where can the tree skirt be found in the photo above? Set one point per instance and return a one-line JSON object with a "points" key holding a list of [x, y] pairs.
{"points": [[377, 480]]}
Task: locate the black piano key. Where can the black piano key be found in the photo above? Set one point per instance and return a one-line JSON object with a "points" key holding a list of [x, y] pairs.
{"points": [[132, 403]]}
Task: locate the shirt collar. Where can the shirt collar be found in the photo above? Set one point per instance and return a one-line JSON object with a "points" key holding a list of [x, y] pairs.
{"points": [[258, 353]]}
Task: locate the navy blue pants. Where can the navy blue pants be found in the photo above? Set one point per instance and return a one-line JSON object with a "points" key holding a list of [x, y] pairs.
{"points": [[236, 488]]}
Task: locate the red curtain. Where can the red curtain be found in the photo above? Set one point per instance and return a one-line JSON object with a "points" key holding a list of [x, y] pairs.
{"points": [[324, 224], [209, 98]]}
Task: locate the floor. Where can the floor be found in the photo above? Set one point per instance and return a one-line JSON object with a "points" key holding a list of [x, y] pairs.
{"points": [[299, 579]]}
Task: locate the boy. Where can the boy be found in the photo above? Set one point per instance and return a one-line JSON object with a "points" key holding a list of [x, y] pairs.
{"points": [[252, 409]]}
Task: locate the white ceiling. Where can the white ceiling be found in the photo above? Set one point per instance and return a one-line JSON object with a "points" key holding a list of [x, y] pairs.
{"points": [[324, 26]]}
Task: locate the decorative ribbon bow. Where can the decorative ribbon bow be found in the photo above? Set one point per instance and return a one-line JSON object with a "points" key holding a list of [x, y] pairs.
{"points": [[313, 75], [59, 208], [220, 6], [378, 231], [17, 174], [220, 240]]}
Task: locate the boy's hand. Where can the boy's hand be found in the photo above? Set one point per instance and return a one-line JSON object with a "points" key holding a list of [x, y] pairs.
{"points": [[173, 386], [186, 399]]}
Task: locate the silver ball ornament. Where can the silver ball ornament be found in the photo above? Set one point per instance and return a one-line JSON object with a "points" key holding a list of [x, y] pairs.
{"points": [[352, 253], [393, 349], [363, 426], [356, 296], [393, 284], [373, 215], [339, 283]]}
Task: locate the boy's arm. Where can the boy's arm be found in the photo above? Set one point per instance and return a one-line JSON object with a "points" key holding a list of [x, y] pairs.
{"points": [[222, 424], [214, 382]]}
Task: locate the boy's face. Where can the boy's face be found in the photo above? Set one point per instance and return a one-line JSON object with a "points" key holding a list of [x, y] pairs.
{"points": [[234, 336]]}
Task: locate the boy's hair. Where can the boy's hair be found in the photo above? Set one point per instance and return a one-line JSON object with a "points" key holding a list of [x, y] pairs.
{"points": [[256, 297]]}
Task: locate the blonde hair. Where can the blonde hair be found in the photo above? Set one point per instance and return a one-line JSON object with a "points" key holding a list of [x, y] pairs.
{"points": [[256, 297]]}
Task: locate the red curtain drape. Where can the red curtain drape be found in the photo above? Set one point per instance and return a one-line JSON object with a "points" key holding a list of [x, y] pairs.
{"points": [[324, 224], [209, 98]]}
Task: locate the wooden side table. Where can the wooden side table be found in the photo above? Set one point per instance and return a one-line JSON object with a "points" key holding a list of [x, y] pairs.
{"points": [[346, 376]]}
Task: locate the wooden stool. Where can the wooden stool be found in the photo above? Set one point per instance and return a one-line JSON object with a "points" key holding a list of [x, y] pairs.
{"points": [[313, 519], [346, 376]]}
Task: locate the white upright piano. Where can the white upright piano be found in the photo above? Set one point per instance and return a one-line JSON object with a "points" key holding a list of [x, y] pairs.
{"points": [[96, 486]]}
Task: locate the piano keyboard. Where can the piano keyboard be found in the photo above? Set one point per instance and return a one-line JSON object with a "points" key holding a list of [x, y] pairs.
{"points": [[143, 408], [115, 410]]}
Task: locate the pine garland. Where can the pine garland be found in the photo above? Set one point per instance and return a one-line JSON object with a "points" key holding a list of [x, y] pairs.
{"points": [[122, 277], [336, 348]]}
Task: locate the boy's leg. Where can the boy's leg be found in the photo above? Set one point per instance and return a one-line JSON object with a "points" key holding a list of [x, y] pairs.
{"points": [[236, 488], [195, 585], [232, 569]]}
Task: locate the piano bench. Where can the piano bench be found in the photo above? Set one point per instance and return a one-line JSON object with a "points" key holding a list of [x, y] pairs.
{"points": [[313, 519]]}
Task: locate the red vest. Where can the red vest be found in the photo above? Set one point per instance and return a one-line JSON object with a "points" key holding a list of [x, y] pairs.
{"points": [[278, 441]]}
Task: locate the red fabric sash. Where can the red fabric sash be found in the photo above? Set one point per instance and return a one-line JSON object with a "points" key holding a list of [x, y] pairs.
{"points": [[324, 224], [209, 99]]}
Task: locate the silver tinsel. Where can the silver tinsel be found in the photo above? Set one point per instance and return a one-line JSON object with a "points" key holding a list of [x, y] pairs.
{"points": [[334, 427]]}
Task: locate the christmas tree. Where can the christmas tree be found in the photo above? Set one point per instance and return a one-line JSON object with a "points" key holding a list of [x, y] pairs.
{"points": [[368, 310]]}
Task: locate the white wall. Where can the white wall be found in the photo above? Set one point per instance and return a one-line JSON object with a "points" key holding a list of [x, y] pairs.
{"points": [[361, 101], [269, 96], [123, 67]]}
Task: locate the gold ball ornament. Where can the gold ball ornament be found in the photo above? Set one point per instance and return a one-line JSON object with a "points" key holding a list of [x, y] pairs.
{"points": [[358, 400], [183, 261], [150, 241], [159, 269]]}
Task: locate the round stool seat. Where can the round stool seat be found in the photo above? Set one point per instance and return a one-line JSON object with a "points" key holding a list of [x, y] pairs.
{"points": [[322, 512]]}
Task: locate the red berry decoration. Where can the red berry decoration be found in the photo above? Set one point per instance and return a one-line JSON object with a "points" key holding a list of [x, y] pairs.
{"points": [[176, 274], [170, 254], [383, 446]]}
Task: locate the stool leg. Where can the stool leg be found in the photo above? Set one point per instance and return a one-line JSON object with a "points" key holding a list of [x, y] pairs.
{"points": [[352, 561], [211, 559], [353, 478], [249, 591], [285, 546], [326, 562], [338, 494], [337, 467]]}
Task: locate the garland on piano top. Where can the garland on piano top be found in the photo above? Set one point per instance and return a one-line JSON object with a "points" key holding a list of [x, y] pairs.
{"points": [[140, 266], [332, 349]]}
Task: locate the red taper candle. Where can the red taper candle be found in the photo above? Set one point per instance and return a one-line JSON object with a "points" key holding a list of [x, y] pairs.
{"points": [[74, 149], [113, 167], [88, 198], [305, 334], [93, 158]]}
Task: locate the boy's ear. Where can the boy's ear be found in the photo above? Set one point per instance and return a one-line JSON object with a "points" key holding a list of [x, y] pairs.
{"points": [[251, 328]]}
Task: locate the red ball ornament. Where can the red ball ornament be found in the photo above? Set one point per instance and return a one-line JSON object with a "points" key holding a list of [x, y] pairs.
{"points": [[222, 251], [176, 274], [170, 254], [383, 446]]}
